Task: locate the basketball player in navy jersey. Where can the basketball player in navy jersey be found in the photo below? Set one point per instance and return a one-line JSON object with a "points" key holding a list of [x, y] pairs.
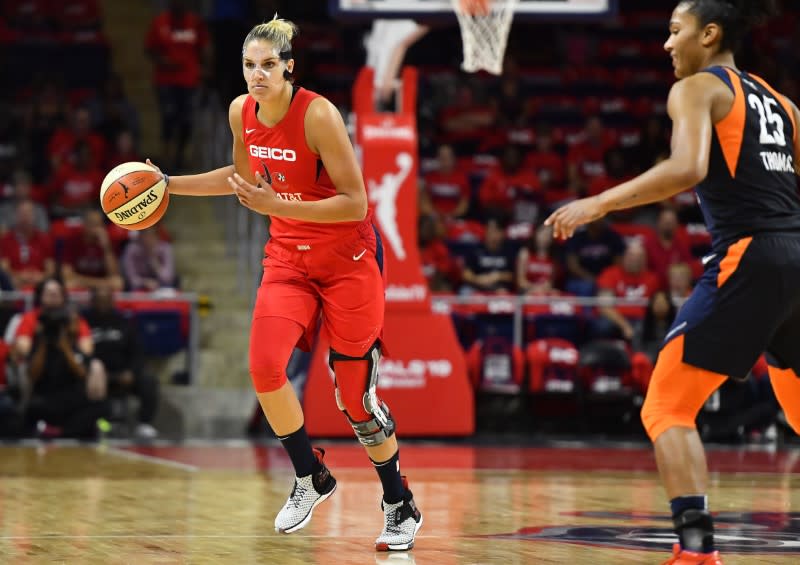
{"points": [[293, 161], [736, 140]]}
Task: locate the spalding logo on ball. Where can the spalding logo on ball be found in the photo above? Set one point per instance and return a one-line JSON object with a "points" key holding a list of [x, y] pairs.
{"points": [[134, 195]]}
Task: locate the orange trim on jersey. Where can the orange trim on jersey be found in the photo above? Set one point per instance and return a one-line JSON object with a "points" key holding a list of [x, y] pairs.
{"points": [[783, 102], [730, 130], [676, 391], [731, 261]]}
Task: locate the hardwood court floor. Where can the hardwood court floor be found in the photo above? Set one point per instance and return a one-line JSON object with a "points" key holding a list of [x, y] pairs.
{"points": [[511, 506]]}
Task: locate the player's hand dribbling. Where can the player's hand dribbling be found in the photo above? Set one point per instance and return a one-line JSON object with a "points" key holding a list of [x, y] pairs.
{"points": [[166, 178], [571, 216], [257, 197]]}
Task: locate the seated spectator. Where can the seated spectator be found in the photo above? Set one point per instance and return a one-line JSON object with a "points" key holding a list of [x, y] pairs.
{"points": [[588, 253], [615, 172], [75, 188], [491, 268], [63, 145], [630, 280], [679, 276], [26, 254], [669, 246], [437, 265], [23, 190], [658, 319], [511, 190], [68, 393], [653, 147], [148, 263], [465, 121], [586, 158], [548, 164], [89, 259], [117, 347], [536, 269], [447, 187], [124, 150], [113, 112]]}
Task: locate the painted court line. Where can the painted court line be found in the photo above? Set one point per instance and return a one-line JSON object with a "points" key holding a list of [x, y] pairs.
{"points": [[134, 456], [194, 536]]}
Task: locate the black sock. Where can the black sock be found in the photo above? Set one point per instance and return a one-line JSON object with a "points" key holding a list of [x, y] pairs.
{"points": [[298, 446], [389, 473], [693, 523]]}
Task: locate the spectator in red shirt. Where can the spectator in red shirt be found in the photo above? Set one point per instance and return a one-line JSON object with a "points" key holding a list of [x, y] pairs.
{"points": [[63, 145], [536, 269], [447, 187], [668, 246], [89, 260], [630, 279], [178, 44], [437, 265], [511, 191], [26, 254], [548, 164], [586, 158], [75, 188], [465, 122]]}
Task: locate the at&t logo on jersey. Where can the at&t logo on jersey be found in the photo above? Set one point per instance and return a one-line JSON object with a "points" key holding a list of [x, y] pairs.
{"points": [[273, 153]]}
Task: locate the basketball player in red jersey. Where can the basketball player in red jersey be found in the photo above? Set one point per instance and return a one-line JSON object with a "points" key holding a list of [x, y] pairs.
{"points": [[293, 161], [736, 139]]}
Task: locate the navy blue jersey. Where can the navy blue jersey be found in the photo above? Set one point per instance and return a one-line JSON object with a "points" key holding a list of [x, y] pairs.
{"points": [[751, 185]]}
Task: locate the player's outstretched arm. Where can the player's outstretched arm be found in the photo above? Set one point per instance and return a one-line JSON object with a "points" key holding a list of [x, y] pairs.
{"points": [[326, 135], [689, 106]]}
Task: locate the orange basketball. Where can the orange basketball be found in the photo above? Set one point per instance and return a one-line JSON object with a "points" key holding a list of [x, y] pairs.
{"points": [[134, 195]]}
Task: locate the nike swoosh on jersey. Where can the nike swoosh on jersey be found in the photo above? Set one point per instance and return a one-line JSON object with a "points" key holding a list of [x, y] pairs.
{"points": [[707, 259], [359, 256], [249, 131]]}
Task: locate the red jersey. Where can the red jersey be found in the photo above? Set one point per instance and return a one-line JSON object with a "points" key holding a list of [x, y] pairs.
{"points": [[181, 42], [26, 255], [627, 285], [539, 269], [282, 156], [447, 189]]}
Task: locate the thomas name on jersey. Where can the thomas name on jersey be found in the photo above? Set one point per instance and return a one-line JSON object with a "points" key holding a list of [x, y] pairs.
{"points": [[777, 162]]}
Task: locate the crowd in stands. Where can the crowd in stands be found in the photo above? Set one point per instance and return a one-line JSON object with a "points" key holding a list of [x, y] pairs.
{"points": [[577, 109]]}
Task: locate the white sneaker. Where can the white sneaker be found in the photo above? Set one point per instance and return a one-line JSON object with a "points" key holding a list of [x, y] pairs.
{"points": [[308, 492], [402, 521], [145, 431]]}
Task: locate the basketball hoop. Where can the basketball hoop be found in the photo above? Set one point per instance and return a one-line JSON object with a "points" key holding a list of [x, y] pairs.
{"points": [[484, 32]]}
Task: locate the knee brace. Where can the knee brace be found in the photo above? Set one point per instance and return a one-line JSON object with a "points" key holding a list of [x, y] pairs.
{"points": [[355, 380]]}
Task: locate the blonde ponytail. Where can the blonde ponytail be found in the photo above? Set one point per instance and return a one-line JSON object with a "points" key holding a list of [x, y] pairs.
{"points": [[277, 31]]}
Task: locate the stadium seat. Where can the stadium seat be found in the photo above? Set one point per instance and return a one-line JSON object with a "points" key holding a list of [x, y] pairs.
{"points": [[496, 365], [605, 367], [552, 366], [160, 332], [569, 327]]}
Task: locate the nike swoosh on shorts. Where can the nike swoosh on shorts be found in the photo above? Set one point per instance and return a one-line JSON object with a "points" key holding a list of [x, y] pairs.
{"points": [[359, 256]]}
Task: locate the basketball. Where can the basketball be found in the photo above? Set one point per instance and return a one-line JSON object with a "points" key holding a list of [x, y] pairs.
{"points": [[134, 195]]}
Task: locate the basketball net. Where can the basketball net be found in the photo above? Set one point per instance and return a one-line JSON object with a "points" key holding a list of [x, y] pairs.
{"points": [[484, 32]]}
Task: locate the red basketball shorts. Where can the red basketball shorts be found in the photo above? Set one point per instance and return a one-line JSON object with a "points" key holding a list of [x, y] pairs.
{"points": [[340, 283]]}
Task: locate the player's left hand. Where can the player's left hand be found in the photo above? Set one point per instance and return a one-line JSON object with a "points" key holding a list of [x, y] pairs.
{"points": [[571, 216], [257, 197]]}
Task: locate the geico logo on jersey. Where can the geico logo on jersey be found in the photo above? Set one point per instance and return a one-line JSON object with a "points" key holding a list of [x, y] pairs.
{"points": [[273, 153]]}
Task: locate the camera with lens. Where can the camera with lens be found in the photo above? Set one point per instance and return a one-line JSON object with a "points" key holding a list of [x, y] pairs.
{"points": [[53, 321]]}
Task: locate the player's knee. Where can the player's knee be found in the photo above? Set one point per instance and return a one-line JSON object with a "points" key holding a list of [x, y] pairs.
{"points": [[657, 417], [267, 372], [356, 378]]}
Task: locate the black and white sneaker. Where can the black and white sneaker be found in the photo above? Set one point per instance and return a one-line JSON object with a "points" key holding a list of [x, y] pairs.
{"points": [[402, 520], [307, 493]]}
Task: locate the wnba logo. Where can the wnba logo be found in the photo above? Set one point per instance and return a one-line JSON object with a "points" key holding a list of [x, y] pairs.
{"points": [[272, 153]]}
